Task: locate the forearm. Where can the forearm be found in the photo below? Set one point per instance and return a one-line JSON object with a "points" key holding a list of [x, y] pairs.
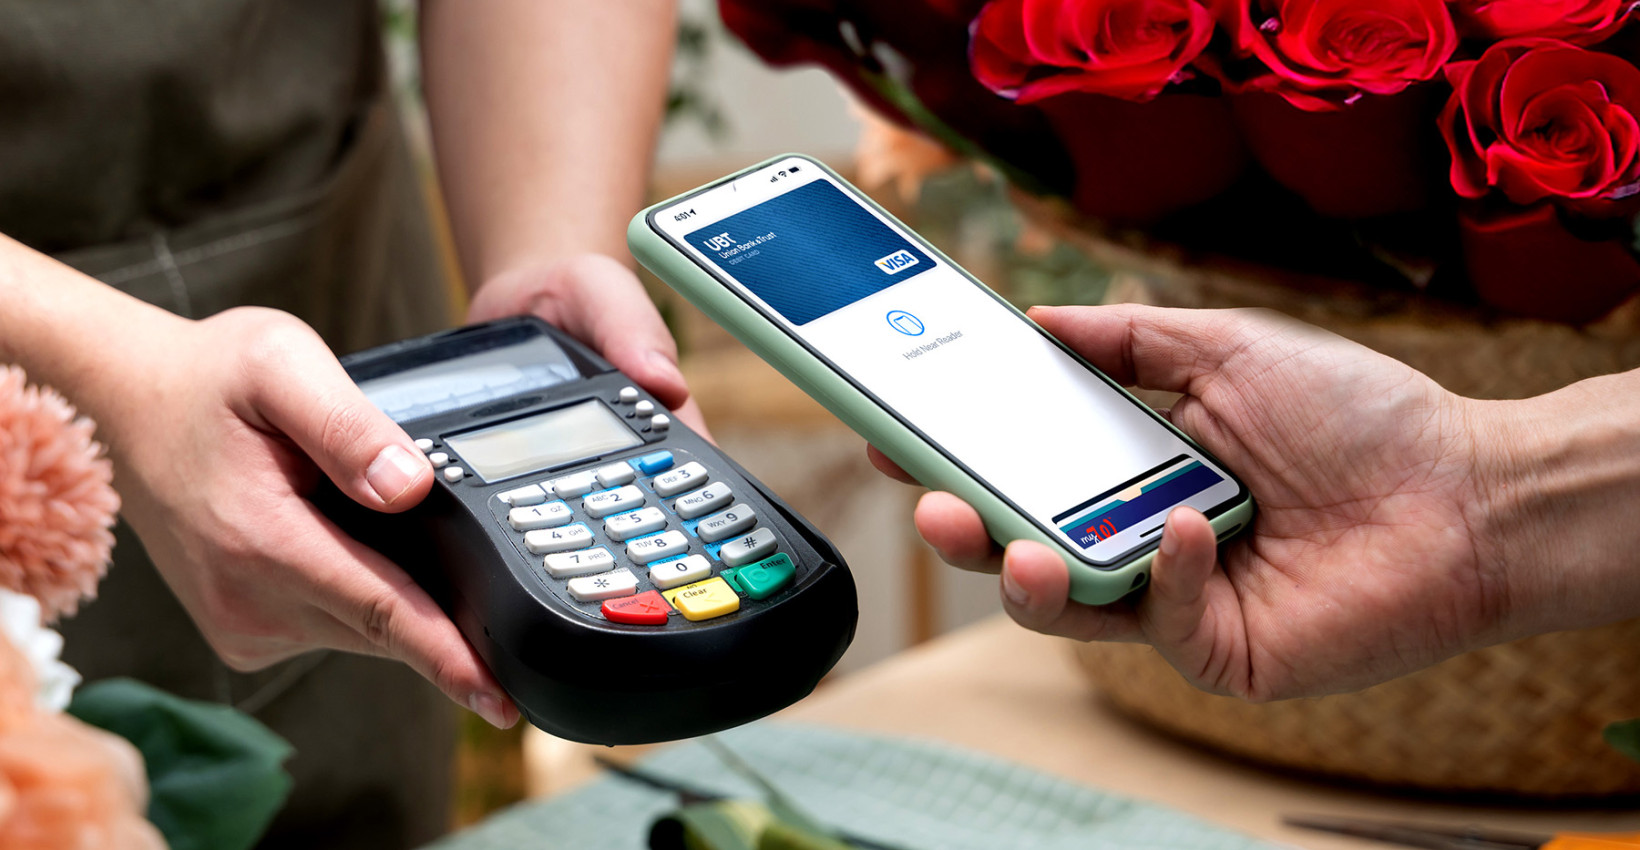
{"points": [[71, 331], [1560, 503], [544, 115]]}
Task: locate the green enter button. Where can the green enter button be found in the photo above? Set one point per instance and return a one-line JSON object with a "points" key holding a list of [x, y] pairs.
{"points": [[765, 578]]}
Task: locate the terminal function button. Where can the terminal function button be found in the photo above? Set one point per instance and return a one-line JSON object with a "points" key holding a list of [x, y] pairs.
{"points": [[659, 422], [629, 525], [703, 501], [615, 474], [438, 459], [529, 494], [453, 474], [645, 609], [725, 524], [644, 408], [600, 505], [765, 578], [604, 586], [682, 571], [704, 600], [654, 462], [570, 486], [425, 445], [628, 395], [569, 537], [756, 546], [646, 549], [550, 515], [582, 563], [686, 477]]}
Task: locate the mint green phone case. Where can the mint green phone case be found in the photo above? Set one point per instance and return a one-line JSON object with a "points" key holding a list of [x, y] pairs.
{"points": [[1089, 584]]}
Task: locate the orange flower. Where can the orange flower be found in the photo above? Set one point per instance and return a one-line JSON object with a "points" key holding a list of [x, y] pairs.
{"points": [[17, 684], [57, 504], [68, 786]]}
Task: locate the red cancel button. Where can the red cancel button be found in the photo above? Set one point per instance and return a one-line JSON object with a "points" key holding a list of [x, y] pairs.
{"points": [[645, 609]]}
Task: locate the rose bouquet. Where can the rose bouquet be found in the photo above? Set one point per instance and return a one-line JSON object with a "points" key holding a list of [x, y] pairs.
{"points": [[1474, 149]]}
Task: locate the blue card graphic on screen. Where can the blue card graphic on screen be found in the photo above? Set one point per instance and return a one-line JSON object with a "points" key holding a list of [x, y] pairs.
{"points": [[1167, 485], [810, 251]]}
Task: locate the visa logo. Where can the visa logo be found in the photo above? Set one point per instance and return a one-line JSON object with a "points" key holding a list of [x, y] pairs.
{"points": [[897, 262]]}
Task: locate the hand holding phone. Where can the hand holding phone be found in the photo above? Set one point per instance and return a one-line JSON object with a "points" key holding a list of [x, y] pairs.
{"points": [[940, 373]]}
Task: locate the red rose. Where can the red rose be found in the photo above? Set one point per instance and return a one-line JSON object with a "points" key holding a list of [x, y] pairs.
{"points": [[1578, 21], [1527, 262], [1370, 160], [1323, 53], [1137, 163], [1539, 118], [1033, 49]]}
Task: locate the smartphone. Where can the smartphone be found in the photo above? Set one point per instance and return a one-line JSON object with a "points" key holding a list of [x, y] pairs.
{"points": [[943, 375]]}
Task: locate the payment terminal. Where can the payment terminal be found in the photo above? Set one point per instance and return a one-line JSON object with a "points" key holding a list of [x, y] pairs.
{"points": [[624, 580]]}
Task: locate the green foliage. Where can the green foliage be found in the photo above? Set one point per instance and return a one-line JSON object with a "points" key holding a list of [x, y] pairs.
{"points": [[776, 822], [686, 99], [215, 775], [1625, 738]]}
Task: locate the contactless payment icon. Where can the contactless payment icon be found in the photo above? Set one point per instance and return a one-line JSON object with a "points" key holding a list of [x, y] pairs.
{"points": [[905, 323]]}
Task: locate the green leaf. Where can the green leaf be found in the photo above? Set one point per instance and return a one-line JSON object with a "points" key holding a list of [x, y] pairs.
{"points": [[905, 100], [1625, 738], [781, 804], [718, 825], [779, 835], [214, 774]]}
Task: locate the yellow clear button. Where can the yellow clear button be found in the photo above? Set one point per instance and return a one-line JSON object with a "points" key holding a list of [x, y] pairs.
{"points": [[704, 600]]}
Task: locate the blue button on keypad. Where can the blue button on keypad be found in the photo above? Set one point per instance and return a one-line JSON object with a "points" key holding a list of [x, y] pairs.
{"points": [[655, 462]]}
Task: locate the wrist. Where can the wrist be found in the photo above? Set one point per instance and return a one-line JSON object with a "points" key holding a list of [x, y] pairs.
{"points": [[533, 285], [73, 332], [1557, 481]]}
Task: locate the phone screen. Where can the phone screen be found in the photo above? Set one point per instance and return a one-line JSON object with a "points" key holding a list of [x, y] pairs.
{"points": [[995, 394]]}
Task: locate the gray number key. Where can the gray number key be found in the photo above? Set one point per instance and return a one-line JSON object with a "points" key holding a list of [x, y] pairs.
{"points": [[726, 524], [686, 477], [756, 546], [703, 501], [600, 505], [548, 540], [583, 562], [550, 515], [665, 545], [629, 525]]}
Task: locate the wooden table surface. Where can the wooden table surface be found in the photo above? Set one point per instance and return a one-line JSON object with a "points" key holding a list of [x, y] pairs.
{"points": [[1000, 689]]}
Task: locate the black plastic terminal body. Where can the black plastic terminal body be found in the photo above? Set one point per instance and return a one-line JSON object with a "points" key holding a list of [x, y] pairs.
{"points": [[571, 672]]}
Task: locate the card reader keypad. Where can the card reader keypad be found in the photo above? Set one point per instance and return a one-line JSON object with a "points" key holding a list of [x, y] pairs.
{"points": [[650, 532]]}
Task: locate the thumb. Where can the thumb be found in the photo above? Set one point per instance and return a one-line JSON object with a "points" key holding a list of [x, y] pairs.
{"points": [[1155, 348], [308, 397]]}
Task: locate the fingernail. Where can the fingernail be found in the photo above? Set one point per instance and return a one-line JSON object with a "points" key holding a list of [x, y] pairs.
{"points": [[393, 471], [488, 707], [1170, 539], [667, 364], [1013, 591]]}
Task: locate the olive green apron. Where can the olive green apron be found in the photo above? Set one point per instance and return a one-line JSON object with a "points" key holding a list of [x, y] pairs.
{"points": [[205, 154]]}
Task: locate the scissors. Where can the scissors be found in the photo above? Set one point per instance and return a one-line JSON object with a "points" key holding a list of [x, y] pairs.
{"points": [[1433, 837]]}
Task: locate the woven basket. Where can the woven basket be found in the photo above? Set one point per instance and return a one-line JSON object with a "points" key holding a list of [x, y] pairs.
{"points": [[1521, 719]]}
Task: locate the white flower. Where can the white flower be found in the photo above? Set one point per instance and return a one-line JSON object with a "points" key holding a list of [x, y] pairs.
{"points": [[20, 622]]}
